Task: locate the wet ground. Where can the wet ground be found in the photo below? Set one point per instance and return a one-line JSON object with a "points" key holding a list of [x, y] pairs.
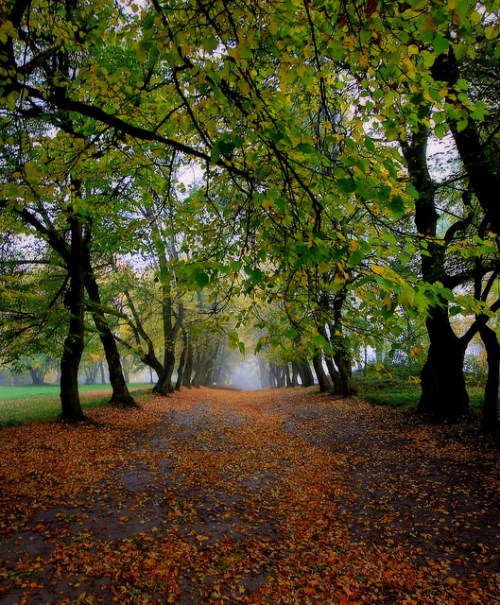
{"points": [[279, 496]]}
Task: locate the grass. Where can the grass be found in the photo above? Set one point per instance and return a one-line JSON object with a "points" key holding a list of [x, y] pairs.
{"points": [[403, 393], [394, 392], [33, 403], [28, 391]]}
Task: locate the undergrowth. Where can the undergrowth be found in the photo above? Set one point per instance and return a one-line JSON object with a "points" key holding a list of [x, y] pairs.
{"points": [[403, 392]]}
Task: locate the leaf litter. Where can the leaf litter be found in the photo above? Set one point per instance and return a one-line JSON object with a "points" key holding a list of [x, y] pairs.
{"points": [[281, 496]]}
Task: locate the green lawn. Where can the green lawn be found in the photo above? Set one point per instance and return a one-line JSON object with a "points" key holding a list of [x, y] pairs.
{"points": [[31, 403], [403, 393]]}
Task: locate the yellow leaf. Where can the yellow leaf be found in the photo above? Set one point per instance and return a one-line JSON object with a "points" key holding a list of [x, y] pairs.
{"points": [[491, 33], [201, 538], [363, 61], [429, 23], [475, 17], [377, 269]]}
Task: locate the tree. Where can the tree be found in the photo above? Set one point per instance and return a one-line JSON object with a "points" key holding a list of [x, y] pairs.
{"points": [[30, 172], [419, 92], [36, 365], [260, 95]]}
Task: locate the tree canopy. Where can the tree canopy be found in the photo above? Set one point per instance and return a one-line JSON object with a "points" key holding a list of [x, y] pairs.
{"points": [[314, 131]]}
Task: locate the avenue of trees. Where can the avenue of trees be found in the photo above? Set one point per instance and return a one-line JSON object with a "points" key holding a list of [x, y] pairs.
{"points": [[306, 179]]}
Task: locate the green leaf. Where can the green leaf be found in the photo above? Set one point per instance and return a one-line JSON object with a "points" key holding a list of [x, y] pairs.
{"points": [[423, 111], [412, 191], [305, 148], [369, 144], [210, 44], [356, 258], [441, 130], [397, 206], [440, 44], [347, 185], [407, 295], [276, 136], [224, 147], [256, 276], [201, 278], [148, 22], [460, 51]]}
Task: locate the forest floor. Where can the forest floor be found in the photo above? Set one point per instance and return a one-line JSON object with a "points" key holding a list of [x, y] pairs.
{"points": [[275, 497]]}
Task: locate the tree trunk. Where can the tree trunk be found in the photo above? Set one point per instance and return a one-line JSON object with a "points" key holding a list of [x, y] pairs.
{"points": [[280, 376], [148, 358], [489, 420], [203, 367], [263, 373], [306, 374], [37, 376], [90, 374], [480, 166], [324, 383], [222, 372], [73, 344], [294, 374], [444, 393], [298, 372], [334, 375], [180, 369], [164, 384], [343, 361], [209, 378], [120, 396], [332, 370], [341, 354], [188, 368], [101, 369], [272, 376], [288, 378]]}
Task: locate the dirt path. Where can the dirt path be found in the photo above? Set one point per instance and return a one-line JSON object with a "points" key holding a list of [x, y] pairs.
{"points": [[266, 497]]}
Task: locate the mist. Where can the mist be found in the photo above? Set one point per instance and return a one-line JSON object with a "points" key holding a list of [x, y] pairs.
{"points": [[245, 376]]}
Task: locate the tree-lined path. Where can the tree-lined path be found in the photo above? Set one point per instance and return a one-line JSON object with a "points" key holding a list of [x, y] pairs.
{"points": [[280, 496]]}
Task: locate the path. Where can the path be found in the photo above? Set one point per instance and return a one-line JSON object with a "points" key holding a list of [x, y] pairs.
{"points": [[267, 497]]}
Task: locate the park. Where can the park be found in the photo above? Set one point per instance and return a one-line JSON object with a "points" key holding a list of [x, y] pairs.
{"points": [[276, 496], [249, 295]]}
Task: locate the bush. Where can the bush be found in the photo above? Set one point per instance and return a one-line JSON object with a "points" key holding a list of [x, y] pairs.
{"points": [[476, 370]]}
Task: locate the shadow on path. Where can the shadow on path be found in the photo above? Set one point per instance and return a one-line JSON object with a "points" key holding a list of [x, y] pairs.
{"points": [[278, 496]]}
